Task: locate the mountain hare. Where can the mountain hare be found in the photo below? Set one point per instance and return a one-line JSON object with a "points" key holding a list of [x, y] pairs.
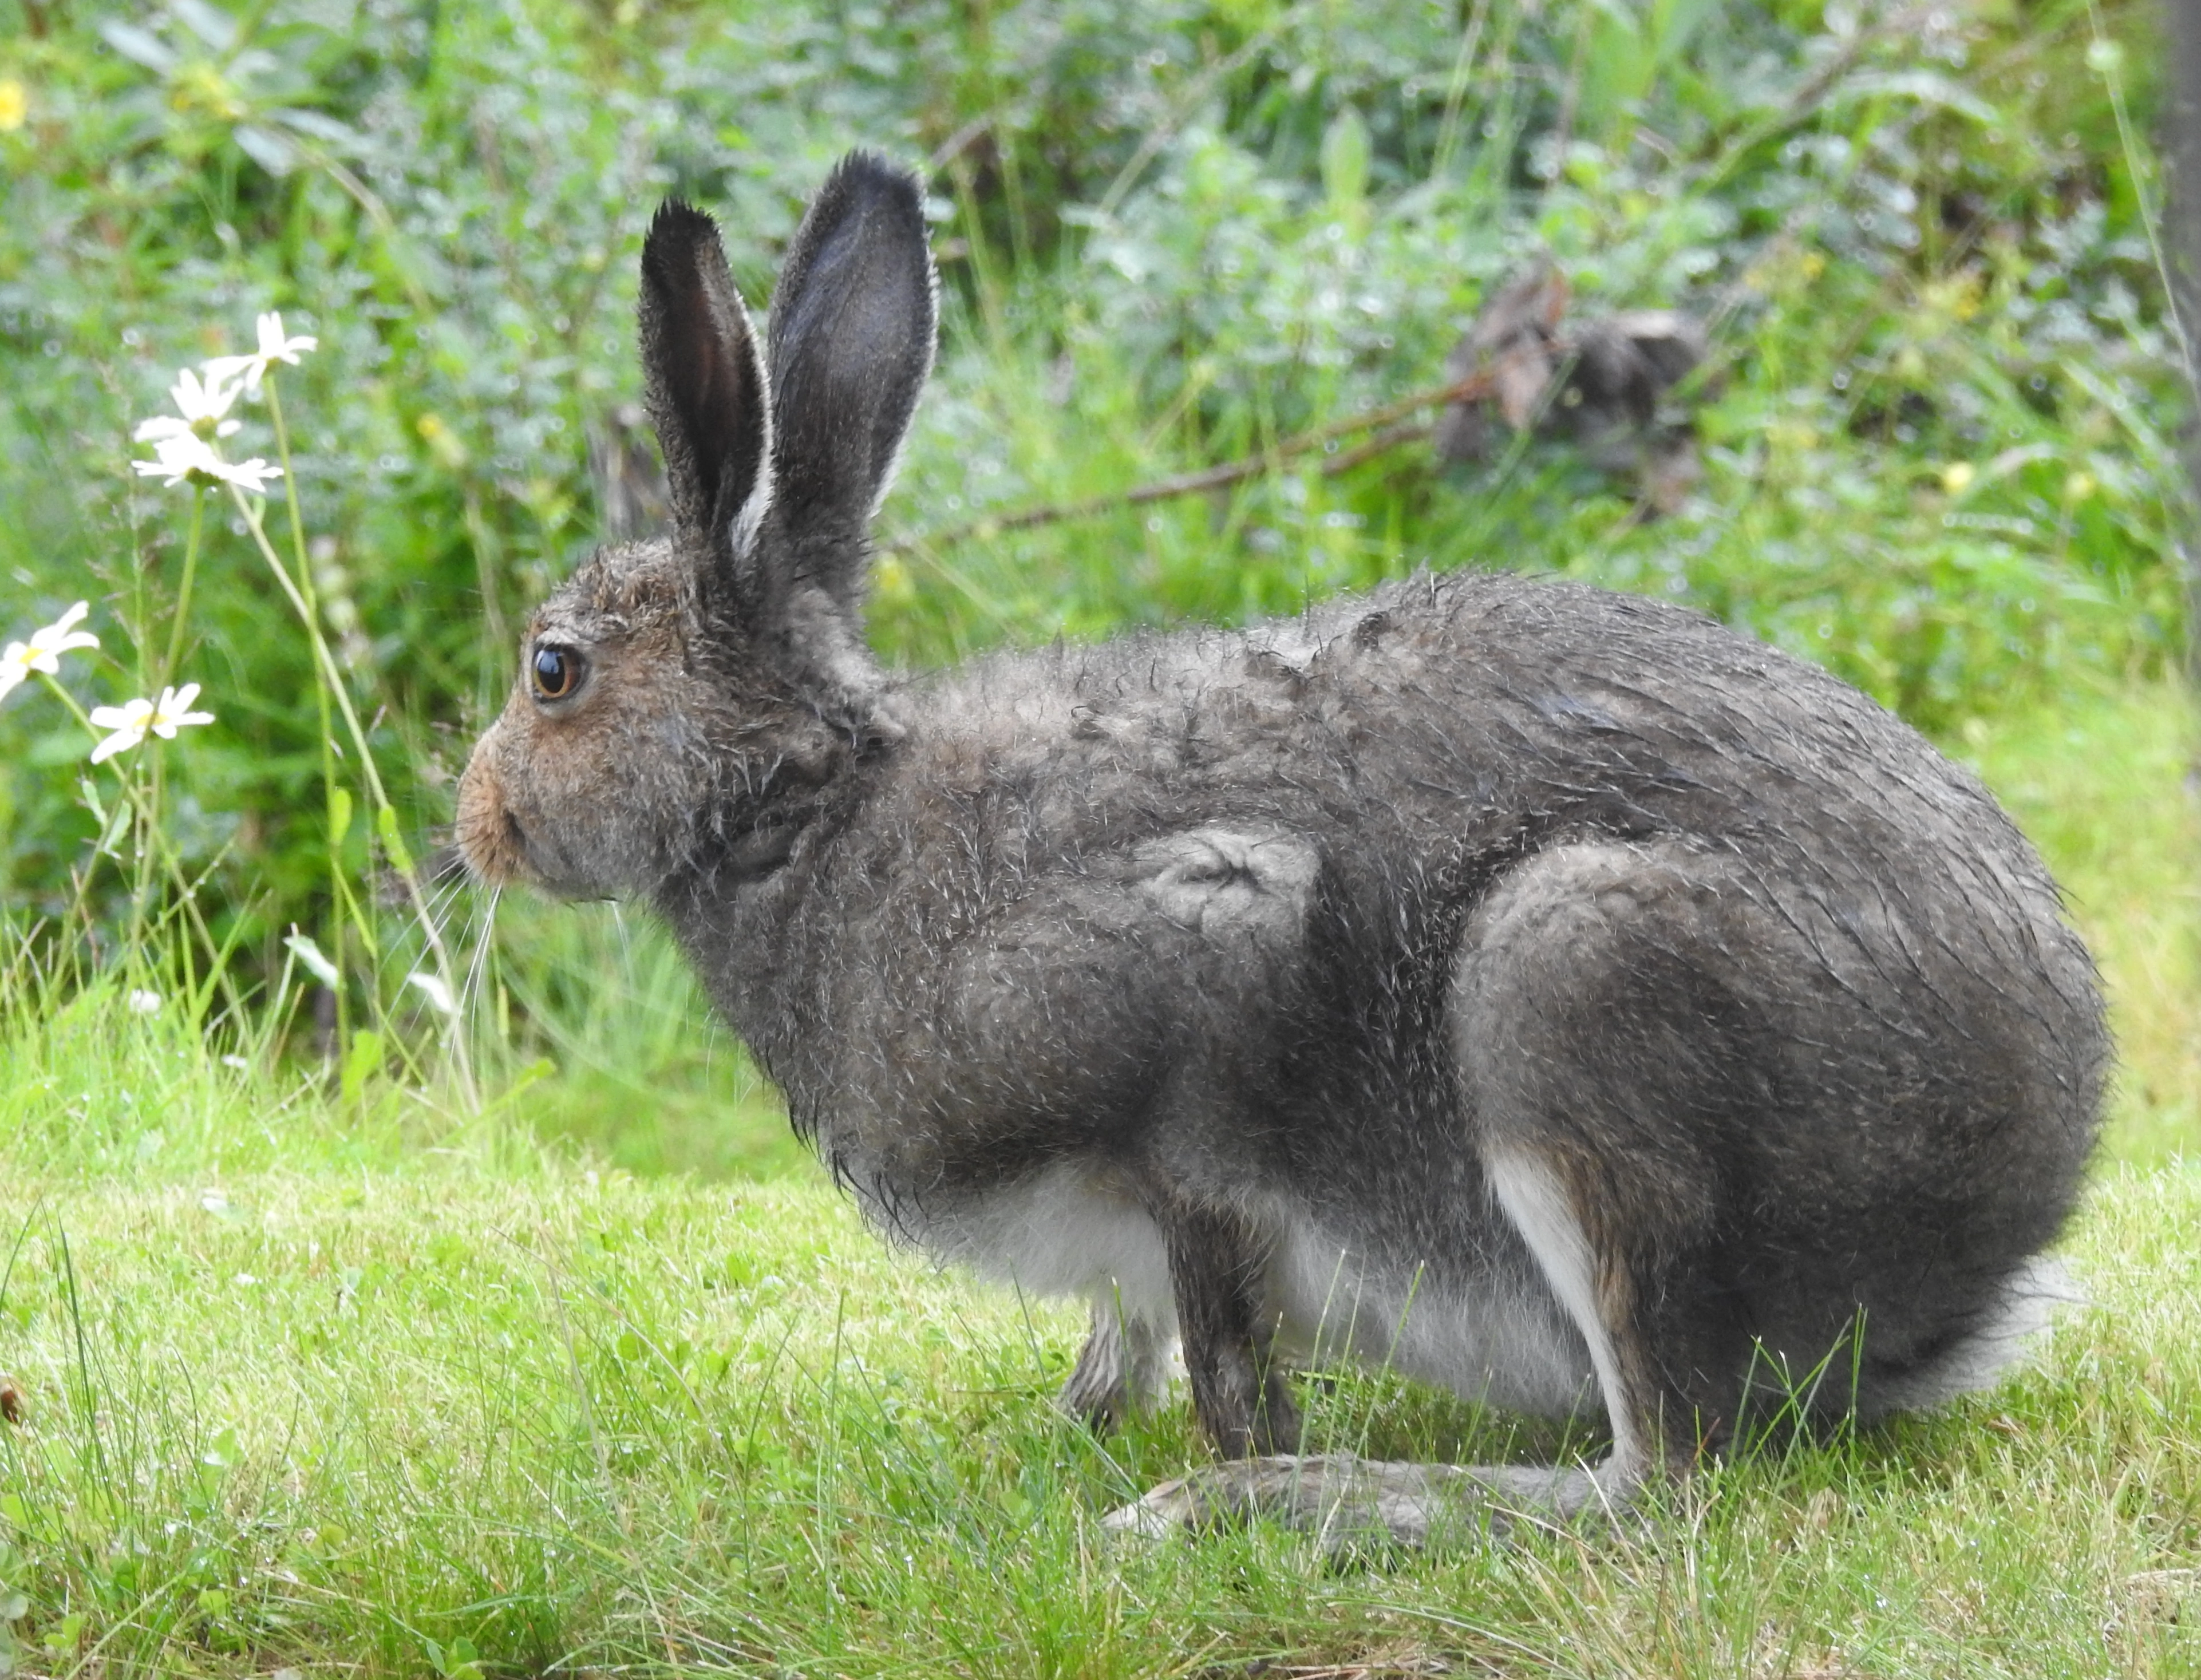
{"points": [[1548, 991]]}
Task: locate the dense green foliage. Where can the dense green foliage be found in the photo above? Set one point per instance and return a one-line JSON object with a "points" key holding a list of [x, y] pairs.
{"points": [[1933, 441]]}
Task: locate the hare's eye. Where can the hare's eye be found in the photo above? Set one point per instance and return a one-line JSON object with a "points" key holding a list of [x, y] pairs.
{"points": [[557, 672]]}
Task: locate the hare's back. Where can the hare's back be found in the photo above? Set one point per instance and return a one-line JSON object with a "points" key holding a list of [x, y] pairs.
{"points": [[1430, 735]]}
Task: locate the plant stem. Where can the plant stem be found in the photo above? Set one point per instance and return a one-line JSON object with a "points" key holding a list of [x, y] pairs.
{"points": [[167, 672], [141, 821], [340, 900], [385, 813]]}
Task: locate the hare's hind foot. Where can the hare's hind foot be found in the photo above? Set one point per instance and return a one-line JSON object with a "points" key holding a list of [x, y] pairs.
{"points": [[1349, 1502]]}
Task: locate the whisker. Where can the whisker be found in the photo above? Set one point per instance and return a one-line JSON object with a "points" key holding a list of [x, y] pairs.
{"points": [[472, 991]]}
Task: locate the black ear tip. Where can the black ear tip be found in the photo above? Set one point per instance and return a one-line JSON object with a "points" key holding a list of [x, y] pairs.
{"points": [[677, 231], [868, 174], [676, 217]]}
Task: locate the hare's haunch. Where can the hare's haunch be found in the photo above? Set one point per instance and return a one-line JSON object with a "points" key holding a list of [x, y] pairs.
{"points": [[1547, 990]]}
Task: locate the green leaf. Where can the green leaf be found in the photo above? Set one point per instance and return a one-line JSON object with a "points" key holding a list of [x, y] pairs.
{"points": [[385, 822], [362, 1060], [1927, 87], [318, 126], [209, 23], [140, 46], [62, 1639], [1344, 153], [267, 147], [339, 814]]}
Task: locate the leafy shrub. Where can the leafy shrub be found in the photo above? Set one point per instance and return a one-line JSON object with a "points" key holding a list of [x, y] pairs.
{"points": [[1935, 443]]}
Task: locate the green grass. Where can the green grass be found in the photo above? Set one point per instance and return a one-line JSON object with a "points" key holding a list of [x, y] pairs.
{"points": [[2108, 786], [384, 1388], [619, 1423]]}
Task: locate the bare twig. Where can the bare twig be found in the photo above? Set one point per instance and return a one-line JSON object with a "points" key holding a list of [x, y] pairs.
{"points": [[959, 142], [1382, 421]]}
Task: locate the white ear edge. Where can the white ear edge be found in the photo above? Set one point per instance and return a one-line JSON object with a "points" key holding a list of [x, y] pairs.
{"points": [[743, 533], [749, 519]]}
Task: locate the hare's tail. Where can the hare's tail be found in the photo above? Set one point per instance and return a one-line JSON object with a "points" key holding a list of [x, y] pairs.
{"points": [[2004, 1338]]}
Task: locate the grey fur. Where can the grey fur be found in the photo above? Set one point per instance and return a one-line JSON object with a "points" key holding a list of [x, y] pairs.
{"points": [[1621, 1007]]}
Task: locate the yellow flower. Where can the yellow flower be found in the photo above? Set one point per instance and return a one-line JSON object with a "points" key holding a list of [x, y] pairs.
{"points": [[445, 445], [15, 104], [1957, 477], [893, 578]]}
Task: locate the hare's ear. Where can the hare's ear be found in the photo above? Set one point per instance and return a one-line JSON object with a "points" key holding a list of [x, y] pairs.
{"points": [[705, 384], [851, 342]]}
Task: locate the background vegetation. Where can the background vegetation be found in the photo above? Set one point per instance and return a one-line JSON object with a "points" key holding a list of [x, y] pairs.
{"points": [[325, 1356], [1935, 437]]}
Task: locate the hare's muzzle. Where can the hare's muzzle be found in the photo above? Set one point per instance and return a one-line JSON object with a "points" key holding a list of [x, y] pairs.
{"points": [[490, 838]]}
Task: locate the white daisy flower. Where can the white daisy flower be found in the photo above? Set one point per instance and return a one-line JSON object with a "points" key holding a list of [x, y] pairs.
{"points": [[132, 721], [202, 406], [187, 456], [274, 348], [181, 454], [44, 650]]}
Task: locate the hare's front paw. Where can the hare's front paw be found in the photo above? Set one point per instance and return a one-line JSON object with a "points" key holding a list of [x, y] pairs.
{"points": [[1120, 1373]]}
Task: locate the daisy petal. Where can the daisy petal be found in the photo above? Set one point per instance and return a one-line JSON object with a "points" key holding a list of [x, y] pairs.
{"points": [[179, 456], [121, 741], [122, 717]]}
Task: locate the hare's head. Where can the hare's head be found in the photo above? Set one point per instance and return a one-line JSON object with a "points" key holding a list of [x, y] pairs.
{"points": [[682, 702]]}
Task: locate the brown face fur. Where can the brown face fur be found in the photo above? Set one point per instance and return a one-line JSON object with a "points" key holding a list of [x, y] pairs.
{"points": [[595, 795], [723, 681]]}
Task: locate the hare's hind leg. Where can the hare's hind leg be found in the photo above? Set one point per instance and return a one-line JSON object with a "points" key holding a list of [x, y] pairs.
{"points": [[1608, 1048], [1346, 1501], [1598, 1060]]}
